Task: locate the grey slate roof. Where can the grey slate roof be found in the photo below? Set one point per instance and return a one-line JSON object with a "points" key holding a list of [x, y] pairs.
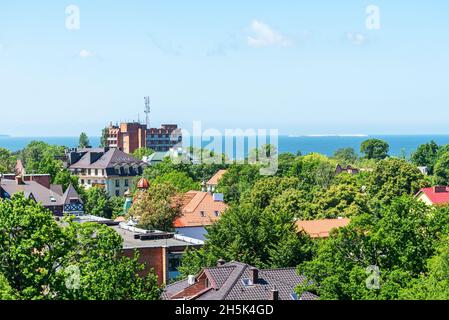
{"points": [[70, 193], [106, 160], [39, 192], [227, 284]]}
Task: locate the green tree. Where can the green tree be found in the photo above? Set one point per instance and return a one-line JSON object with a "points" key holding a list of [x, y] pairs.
{"points": [[65, 179], [157, 208], [41, 158], [7, 161], [247, 234], [142, 152], [83, 141], [32, 246], [397, 238], [6, 292], [442, 170], [104, 137], [375, 149], [238, 180], [97, 202], [346, 155], [180, 180], [104, 272], [41, 259], [426, 155], [394, 177]]}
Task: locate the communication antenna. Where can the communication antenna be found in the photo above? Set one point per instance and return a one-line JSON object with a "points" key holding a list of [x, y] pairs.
{"points": [[147, 111]]}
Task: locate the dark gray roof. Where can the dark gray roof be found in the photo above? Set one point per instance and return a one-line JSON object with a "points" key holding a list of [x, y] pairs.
{"points": [[70, 193], [228, 284], [104, 160], [40, 193]]}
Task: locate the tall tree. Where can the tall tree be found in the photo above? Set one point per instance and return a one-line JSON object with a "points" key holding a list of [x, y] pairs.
{"points": [[83, 141], [442, 169], [426, 155], [375, 149], [40, 259], [104, 138], [157, 207]]}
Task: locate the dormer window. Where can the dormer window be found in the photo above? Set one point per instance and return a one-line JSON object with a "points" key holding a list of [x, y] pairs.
{"points": [[203, 214]]}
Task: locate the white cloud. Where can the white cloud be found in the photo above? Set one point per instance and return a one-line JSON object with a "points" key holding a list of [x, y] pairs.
{"points": [[84, 54], [265, 36], [357, 39]]}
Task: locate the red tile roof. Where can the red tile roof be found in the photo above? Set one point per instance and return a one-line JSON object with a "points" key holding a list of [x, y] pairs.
{"points": [[194, 203], [216, 178], [321, 228], [439, 197]]}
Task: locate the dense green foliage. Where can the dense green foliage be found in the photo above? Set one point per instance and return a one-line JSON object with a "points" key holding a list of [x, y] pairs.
{"points": [[97, 202], [83, 141], [41, 259], [142, 152], [375, 149]]}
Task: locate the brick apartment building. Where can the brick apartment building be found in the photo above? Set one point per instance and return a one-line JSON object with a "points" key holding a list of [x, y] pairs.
{"points": [[130, 136]]}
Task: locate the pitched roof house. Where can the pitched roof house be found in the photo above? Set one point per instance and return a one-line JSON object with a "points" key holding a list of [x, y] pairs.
{"points": [[51, 197], [213, 182], [321, 228], [349, 169], [238, 281], [109, 168], [200, 209], [438, 195]]}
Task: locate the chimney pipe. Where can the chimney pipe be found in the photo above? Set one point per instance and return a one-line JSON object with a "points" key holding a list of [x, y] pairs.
{"points": [[254, 274], [274, 294]]}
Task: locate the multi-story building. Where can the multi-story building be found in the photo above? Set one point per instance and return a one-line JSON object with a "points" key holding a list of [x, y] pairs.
{"points": [[131, 136], [163, 138], [127, 137], [111, 169]]}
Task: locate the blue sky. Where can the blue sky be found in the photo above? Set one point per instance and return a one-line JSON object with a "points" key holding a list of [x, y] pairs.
{"points": [[305, 67]]}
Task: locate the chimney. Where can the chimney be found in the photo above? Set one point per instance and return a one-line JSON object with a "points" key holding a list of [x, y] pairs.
{"points": [[220, 262], [254, 275], [439, 189], [274, 294]]}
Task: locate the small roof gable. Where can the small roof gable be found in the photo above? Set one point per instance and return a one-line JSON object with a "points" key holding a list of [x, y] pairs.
{"points": [[69, 194]]}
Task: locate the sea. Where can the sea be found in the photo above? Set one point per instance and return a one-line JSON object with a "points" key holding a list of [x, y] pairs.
{"points": [[324, 144]]}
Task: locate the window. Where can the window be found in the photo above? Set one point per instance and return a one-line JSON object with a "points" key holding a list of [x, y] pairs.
{"points": [[217, 213], [88, 182], [203, 214], [89, 172], [126, 183], [117, 193], [117, 183], [96, 172], [82, 181]]}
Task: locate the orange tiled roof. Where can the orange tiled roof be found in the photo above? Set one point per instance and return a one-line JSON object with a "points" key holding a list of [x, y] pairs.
{"points": [[321, 228], [195, 203], [216, 178]]}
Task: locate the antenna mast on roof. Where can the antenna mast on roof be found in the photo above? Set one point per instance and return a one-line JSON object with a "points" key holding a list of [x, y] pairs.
{"points": [[147, 111]]}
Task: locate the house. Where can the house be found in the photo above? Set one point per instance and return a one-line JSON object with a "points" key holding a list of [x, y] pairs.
{"points": [[349, 169], [158, 251], [111, 169], [199, 209], [237, 281], [37, 189], [319, 229], [434, 196], [212, 184]]}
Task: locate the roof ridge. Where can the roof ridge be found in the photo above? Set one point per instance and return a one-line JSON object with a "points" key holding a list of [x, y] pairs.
{"points": [[237, 278]]}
